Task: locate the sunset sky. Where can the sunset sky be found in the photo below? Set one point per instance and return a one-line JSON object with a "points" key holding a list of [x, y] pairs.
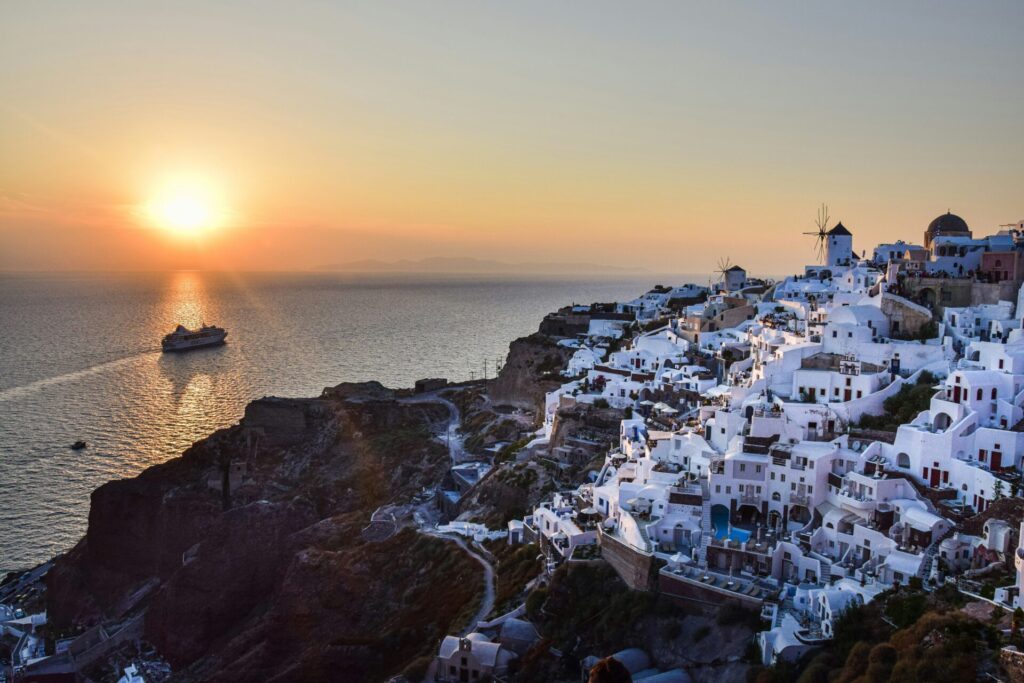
{"points": [[253, 136]]}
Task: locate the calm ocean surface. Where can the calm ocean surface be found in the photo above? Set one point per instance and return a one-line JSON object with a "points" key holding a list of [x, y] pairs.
{"points": [[80, 359]]}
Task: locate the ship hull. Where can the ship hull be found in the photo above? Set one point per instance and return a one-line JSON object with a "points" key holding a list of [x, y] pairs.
{"points": [[192, 344]]}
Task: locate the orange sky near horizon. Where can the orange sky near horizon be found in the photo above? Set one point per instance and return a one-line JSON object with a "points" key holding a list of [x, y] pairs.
{"points": [[663, 136]]}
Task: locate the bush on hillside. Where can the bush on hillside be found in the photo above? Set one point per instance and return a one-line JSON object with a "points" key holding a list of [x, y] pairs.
{"points": [[904, 406]]}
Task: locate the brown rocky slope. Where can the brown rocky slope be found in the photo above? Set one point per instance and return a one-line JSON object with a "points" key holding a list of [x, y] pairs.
{"points": [[245, 554]]}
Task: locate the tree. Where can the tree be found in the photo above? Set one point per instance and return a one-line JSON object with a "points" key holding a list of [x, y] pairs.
{"points": [[609, 670]]}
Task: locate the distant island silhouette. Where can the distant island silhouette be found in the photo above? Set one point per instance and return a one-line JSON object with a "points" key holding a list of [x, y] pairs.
{"points": [[450, 264]]}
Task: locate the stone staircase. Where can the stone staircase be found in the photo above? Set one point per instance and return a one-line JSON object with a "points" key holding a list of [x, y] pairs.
{"points": [[705, 523], [642, 528], [826, 573], [930, 553]]}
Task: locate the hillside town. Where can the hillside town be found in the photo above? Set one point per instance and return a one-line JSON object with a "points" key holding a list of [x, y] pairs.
{"points": [[779, 453], [753, 465]]}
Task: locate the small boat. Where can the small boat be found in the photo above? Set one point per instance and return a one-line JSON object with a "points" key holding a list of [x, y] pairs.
{"points": [[78, 445], [184, 339]]}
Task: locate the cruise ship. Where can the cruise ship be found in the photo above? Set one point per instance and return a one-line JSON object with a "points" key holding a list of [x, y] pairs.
{"points": [[184, 339]]}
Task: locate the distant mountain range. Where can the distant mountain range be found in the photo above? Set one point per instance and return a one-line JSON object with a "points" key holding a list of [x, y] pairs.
{"points": [[448, 264]]}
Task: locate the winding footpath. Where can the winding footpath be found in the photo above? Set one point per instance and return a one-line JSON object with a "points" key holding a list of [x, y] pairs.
{"points": [[457, 454], [454, 440], [487, 604]]}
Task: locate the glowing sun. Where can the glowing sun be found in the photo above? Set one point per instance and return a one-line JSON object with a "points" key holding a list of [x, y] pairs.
{"points": [[186, 209]]}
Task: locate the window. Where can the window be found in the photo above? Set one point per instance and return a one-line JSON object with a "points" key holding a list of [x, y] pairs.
{"points": [[743, 467], [728, 489], [979, 394], [993, 393]]}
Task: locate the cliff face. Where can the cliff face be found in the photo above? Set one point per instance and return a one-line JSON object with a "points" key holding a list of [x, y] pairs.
{"points": [[531, 370], [246, 553]]}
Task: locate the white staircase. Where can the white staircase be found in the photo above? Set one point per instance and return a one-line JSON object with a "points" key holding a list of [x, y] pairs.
{"points": [[930, 553], [705, 523]]}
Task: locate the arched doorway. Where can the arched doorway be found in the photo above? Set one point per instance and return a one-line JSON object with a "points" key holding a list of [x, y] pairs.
{"points": [[749, 515], [719, 520], [799, 514], [680, 539], [927, 297]]}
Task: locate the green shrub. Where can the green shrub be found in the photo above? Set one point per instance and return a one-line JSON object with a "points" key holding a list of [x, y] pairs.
{"points": [[906, 609], [534, 603], [904, 406]]}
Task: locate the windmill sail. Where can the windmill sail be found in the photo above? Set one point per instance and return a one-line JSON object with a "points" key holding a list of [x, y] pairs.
{"points": [[821, 235]]}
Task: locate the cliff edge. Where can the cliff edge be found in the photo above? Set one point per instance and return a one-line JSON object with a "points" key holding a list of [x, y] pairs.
{"points": [[247, 555]]}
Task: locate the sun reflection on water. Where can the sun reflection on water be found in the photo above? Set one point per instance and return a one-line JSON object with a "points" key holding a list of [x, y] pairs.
{"points": [[186, 302]]}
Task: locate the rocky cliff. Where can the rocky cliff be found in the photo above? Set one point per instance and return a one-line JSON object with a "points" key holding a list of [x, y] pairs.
{"points": [[530, 371], [246, 552]]}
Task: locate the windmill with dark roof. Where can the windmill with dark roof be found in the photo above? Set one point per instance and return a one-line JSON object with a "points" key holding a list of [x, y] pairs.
{"points": [[733, 277], [840, 246]]}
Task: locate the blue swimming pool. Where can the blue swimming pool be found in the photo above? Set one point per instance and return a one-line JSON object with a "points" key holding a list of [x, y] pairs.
{"points": [[720, 523]]}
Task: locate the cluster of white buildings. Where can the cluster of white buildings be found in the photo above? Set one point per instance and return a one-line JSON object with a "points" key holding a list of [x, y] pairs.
{"points": [[741, 473]]}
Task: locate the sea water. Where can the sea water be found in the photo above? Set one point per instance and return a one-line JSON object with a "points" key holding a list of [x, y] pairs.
{"points": [[80, 359]]}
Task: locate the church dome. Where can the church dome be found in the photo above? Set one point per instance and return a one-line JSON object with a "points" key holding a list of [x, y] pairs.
{"points": [[947, 224]]}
